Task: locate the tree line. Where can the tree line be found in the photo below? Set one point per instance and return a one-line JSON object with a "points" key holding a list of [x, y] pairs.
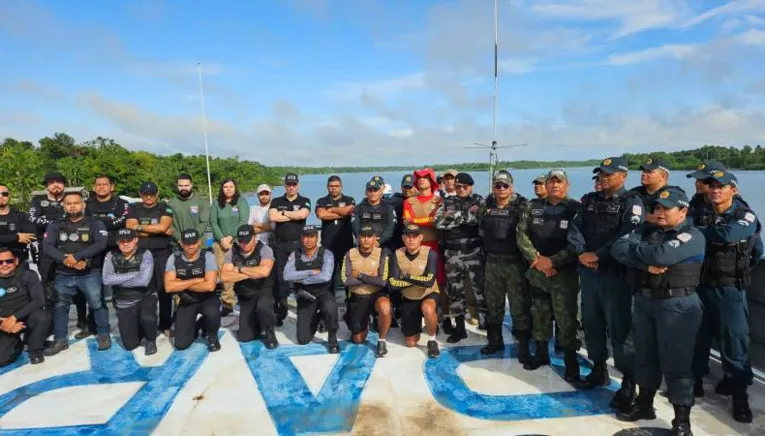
{"points": [[25, 164]]}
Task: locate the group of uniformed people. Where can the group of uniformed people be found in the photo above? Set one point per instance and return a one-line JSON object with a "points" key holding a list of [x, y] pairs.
{"points": [[435, 249]]}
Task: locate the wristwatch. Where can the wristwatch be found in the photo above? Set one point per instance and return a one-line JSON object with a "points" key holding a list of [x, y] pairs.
{"points": [[139, 228], [283, 213], [239, 269]]}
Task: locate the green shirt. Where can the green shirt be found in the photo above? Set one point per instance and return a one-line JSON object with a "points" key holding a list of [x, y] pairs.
{"points": [[226, 221], [193, 213]]}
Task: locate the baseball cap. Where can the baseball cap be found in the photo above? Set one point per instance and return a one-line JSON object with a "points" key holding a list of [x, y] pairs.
{"points": [[558, 174], [407, 181], [672, 197], [366, 231], [148, 188], [244, 233], [724, 177], [465, 179], [450, 172], [54, 177], [652, 164], [540, 179], [611, 165], [374, 184], [379, 179], [503, 176], [706, 167], [291, 178], [190, 236], [310, 230], [412, 229], [263, 188], [125, 235]]}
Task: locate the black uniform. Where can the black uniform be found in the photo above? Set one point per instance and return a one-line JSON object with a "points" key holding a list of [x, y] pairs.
{"points": [[380, 217], [113, 213], [159, 245], [11, 225], [337, 235], [287, 240], [397, 201], [23, 297], [194, 303], [256, 300]]}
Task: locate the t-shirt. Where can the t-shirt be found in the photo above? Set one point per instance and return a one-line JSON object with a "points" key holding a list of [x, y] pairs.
{"points": [[291, 230], [210, 264], [259, 215], [265, 253], [151, 215], [337, 235]]}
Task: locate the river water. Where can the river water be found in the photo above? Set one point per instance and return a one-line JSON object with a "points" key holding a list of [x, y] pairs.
{"points": [[313, 186]]}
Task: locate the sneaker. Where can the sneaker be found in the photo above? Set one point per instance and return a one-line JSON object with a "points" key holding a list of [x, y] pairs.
{"points": [[150, 348], [382, 349], [82, 334], [433, 350], [213, 344], [36, 358]]}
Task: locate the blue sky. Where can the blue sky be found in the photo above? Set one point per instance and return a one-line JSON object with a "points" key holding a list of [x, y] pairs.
{"points": [[341, 82]]}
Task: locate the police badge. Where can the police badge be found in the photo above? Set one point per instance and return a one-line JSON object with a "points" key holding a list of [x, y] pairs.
{"points": [[85, 237]]}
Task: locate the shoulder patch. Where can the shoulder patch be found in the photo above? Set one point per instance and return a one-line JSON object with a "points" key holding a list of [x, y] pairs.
{"points": [[749, 217], [684, 237], [637, 210]]}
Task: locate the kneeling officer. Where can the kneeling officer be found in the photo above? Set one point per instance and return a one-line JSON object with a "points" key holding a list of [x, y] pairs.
{"points": [[193, 276], [21, 310], [666, 261], [248, 266]]}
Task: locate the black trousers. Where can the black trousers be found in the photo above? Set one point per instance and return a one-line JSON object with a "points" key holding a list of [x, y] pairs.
{"points": [[310, 312], [137, 321], [186, 320], [165, 299], [282, 250], [255, 313], [37, 327]]}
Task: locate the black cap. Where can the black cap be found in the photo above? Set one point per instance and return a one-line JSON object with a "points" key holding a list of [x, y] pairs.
{"points": [[464, 179], [672, 197], [724, 177], [407, 181], [125, 235], [379, 179], [244, 233], [611, 165], [652, 164], [148, 188], [310, 230], [375, 184], [54, 177], [705, 168], [412, 229], [291, 178], [190, 236], [366, 231]]}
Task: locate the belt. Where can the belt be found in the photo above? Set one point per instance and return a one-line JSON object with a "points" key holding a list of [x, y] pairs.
{"points": [[661, 294]]}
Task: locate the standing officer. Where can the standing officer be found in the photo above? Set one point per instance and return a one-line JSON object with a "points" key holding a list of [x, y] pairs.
{"points": [[553, 281], [152, 221], [189, 211], [248, 266], [457, 218], [397, 201], [130, 270], [504, 275], [336, 212], [193, 275], [701, 210], [603, 218], [666, 259], [376, 213], [16, 232], [654, 177], [289, 213], [730, 236], [540, 190], [365, 273], [21, 310], [76, 245], [310, 269]]}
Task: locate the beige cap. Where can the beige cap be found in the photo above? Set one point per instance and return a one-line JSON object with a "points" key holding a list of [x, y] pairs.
{"points": [[450, 172], [558, 174], [262, 188]]}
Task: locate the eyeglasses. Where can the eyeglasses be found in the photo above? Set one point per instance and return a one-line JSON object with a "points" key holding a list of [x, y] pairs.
{"points": [[7, 261], [461, 186], [501, 186], [5, 194]]}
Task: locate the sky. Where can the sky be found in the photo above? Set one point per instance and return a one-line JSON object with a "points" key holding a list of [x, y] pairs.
{"points": [[381, 82]]}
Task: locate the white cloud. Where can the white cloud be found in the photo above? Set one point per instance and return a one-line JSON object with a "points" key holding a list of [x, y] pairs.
{"points": [[729, 8], [753, 37], [672, 51], [517, 65]]}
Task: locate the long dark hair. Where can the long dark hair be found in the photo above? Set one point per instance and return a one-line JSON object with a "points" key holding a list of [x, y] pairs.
{"points": [[222, 196]]}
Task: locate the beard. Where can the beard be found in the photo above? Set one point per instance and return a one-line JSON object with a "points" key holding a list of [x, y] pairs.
{"points": [[184, 193], [75, 214]]}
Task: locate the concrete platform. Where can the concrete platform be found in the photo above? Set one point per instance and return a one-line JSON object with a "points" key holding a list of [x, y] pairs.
{"points": [[245, 389]]}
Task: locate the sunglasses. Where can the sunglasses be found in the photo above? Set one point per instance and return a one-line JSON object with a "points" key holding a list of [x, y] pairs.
{"points": [[501, 186], [7, 261], [264, 193], [5, 194]]}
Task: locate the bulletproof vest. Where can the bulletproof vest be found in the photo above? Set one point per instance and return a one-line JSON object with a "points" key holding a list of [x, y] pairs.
{"points": [[369, 265], [74, 237], [14, 293], [498, 227], [148, 216], [124, 266], [373, 216], [186, 270], [106, 211], [467, 234], [10, 225], [548, 226], [50, 209], [415, 267], [423, 210], [730, 264], [315, 263], [700, 211], [686, 274], [602, 217], [249, 287]]}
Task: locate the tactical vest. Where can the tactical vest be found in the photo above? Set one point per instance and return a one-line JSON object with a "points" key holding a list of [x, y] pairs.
{"points": [[462, 237], [686, 274], [10, 225], [74, 237], [185, 270], [547, 230], [124, 266], [248, 288], [315, 263], [415, 267], [424, 210], [730, 264], [15, 293], [51, 209], [369, 265], [498, 227], [602, 222], [373, 216], [700, 211]]}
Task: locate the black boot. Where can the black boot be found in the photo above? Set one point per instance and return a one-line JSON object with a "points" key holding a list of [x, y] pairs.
{"points": [[382, 349], [58, 346], [496, 342], [433, 350], [446, 325], [642, 408], [625, 396], [332, 344], [681, 425], [213, 344], [698, 387], [741, 410], [572, 366], [597, 378], [540, 358], [524, 355], [150, 348], [458, 333], [726, 386], [270, 339]]}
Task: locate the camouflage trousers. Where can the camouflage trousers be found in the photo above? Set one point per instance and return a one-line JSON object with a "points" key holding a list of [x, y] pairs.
{"points": [[505, 282], [464, 276], [555, 298]]}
